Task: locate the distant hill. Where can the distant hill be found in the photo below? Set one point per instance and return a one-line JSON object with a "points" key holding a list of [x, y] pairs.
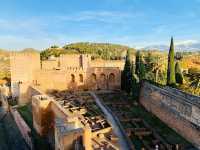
{"points": [[29, 50], [4, 53], [97, 50]]}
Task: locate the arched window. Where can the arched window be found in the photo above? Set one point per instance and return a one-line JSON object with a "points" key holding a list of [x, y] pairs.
{"points": [[81, 78], [72, 78], [112, 78]]}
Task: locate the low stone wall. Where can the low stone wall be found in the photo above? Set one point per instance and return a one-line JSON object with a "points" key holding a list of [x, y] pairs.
{"points": [[23, 127], [177, 109]]}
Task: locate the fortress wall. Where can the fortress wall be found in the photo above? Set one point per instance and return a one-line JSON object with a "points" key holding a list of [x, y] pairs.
{"points": [[58, 79], [107, 63], [70, 60], [75, 73], [49, 64], [62, 79], [22, 66], [106, 78], [178, 111]]}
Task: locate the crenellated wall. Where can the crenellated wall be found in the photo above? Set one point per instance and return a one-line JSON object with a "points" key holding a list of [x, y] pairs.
{"points": [[77, 78], [108, 63], [69, 71], [178, 110]]}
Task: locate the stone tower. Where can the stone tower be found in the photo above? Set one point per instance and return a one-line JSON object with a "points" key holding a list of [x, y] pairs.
{"points": [[85, 61], [22, 67]]}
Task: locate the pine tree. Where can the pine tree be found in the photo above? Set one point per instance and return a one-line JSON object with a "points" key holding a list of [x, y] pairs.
{"points": [[171, 66], [179, 75]]}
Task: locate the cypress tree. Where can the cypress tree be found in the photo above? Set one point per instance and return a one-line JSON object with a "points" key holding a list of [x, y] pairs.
{"points": [[126, 74], [137, 63], [140, 67], [171, 66], [179, 75], [134, 83]]}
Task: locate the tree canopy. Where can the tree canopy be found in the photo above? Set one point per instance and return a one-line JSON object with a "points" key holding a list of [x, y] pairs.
{"points": [[97, 50]]}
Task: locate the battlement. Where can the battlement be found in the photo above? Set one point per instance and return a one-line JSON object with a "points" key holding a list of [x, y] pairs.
{"points": [[24, 54], [74, 68]]}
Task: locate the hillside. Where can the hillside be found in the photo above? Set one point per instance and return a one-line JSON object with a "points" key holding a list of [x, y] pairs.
{"points": [[97, 50], [191, 61]]}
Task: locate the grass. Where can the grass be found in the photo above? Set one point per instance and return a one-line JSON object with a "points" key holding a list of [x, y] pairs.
{"points": [[39, 142]]}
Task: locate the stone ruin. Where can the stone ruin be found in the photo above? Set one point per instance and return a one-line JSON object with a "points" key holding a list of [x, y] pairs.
{"points": [[76, 122]]}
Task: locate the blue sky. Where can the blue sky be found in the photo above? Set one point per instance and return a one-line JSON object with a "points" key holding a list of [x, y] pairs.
{"points": [[136, 23]]}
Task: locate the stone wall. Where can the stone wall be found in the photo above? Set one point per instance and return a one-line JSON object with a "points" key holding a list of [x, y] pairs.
{"points": [[78, 78], [23, 127], [71, 60], [22, 68], [108, 63], [54, 122], [68, 72], [178, 110], [49, 64]]}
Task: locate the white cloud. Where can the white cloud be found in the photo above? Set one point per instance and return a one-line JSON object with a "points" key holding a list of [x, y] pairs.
{"points": [[187, 42]]}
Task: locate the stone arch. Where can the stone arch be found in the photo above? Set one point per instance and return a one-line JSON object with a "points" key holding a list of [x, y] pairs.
{"points": [[102, 81], [111, 81], [111, 78], [72, 85], [72, 78], [80, 78], [93, 78], [93, 81]]}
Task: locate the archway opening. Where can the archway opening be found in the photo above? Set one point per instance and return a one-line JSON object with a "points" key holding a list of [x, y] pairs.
{"points": [[72, 78], [112, 78], [81, 78], [93, 78]]}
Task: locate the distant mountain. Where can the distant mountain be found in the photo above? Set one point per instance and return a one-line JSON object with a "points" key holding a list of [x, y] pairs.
{"points": [[185, 46]]}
